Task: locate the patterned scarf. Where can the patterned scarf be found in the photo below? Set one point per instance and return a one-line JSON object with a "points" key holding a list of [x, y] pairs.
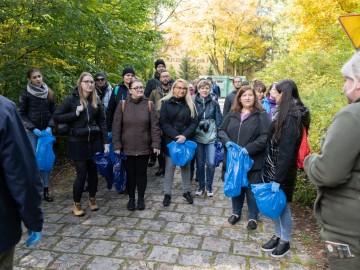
{"points": [[40, 92]]}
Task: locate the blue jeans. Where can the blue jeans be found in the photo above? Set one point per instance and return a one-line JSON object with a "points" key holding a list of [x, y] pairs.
{"points": [[45, 177], [205, 154], [238, 202], [283, 224]]}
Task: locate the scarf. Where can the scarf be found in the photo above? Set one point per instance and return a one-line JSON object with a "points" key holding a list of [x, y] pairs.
{"points": [[40, 92]]}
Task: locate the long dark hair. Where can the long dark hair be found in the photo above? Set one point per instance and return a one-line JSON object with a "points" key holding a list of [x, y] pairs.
{"points": [[290, 97], [237, 105]]}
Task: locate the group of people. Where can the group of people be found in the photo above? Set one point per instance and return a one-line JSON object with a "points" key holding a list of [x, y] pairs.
{"points": [[268, 125]]}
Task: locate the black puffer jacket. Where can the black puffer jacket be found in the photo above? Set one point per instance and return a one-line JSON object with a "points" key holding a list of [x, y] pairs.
{"points": [[175, 119], [208, 108], [36, 112], [117, 94], [252, 133], [90, 123], [280, 158]]}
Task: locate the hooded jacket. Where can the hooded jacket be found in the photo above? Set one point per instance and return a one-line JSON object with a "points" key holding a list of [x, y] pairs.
{"points": [[208, 108]]}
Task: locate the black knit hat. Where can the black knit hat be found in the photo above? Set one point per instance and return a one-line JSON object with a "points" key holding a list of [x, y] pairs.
{"points": [[100, 74], [159, 62], [128, 70]]}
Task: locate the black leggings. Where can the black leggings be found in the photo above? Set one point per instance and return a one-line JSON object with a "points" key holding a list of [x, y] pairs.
{"points": [[136, 170], [85, 169]]}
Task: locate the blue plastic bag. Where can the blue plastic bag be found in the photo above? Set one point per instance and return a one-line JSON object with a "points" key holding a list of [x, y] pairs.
{"points": [[45, 156], [270, 204], [219, 153], [238, 164], [182, 153], [119, 172], [105, 168]]}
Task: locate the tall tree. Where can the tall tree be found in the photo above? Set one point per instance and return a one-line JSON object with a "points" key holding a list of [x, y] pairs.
{"points": [[188, 69]]}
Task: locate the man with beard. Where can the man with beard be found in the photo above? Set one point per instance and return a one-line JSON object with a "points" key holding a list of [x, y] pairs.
{"points": [[155, 97], [103, 88]]}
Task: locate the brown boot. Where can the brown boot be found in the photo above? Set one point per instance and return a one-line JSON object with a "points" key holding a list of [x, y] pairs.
{"points": [[76, 209], [92, 204]]}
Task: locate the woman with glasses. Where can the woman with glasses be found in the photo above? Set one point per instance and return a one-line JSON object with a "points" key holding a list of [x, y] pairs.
{"points": [[136, 132], [178, 123], [36, 108], [84, 114]]}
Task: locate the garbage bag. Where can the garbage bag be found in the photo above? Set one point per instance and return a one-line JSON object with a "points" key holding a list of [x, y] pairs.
{"points": [[111, 152], [182, 153], [105, 168], [238, 164], [270, 204], [45, 156], [119, 172], [219, 153]]}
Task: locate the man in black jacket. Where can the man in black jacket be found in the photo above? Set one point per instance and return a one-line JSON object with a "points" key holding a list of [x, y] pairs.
{"points": [[20, 192], [155, 81]]}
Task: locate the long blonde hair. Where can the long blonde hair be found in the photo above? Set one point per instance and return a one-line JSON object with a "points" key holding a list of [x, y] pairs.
{"points": [[188, 99], [93, 96]]}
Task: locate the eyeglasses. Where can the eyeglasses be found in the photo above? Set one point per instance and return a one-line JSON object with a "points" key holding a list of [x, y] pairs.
{"points": [[100, 79], [138, 88], [88, 82], [181, 88]]}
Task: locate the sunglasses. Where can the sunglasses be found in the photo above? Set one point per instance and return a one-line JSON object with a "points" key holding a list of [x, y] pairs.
{"points": [[100, 79]]}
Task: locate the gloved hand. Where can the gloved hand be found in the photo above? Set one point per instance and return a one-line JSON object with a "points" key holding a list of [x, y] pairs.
{"points": [[110, 135], [79, 109], [106, 148], [228, 144], [275, 187], [48, 130], [244, 151], [37, 132], [34, 237]]}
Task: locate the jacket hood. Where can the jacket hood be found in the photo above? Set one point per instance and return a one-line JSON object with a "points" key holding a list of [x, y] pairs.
{"points": [[200, 100]]}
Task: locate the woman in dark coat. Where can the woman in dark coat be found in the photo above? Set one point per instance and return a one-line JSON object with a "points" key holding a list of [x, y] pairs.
{"points": [[36, 108], [247, 125], [84, 113], [289, 117], [178, 123], [136, 131]]}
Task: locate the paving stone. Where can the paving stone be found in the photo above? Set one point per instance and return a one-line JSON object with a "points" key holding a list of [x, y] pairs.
{"points": [[157, 238], [129, 235], [186, 241], [205, 230], [228, 261], [216, 244], [51, 228], [294, 267], [256, 264], [71, 244], [247, 248], [164, 254], [70, 261], [218, 221], [100, 232], [153, 225], [38, 259], [178, 227], [105, 263], [99, 220], [195, 258], [73, 230], [115, 212], [211, 211], [101, 247], [53, 217], [132, 251], [187, 208], [233, 233], [195, 218], [139, 265], [123, 222], [150, 214], [170, 216], [46, 242]]}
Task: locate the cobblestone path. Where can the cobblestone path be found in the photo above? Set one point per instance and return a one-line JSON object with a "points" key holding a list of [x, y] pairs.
{"points": [[180, 236]]}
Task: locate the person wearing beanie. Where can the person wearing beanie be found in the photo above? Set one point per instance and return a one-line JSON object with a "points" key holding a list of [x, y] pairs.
{"points": [[103, 88], [154, 82], [120, 92]]}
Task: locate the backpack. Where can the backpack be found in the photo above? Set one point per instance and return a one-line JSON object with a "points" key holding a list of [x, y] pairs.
{"points": [[304, 150], [124, 101]]}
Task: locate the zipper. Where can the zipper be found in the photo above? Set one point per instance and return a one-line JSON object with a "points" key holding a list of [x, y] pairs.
{"points": [[88, 120], [238, 136]]}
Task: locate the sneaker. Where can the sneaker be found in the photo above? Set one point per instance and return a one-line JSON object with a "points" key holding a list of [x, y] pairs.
{"points": [[233, 219], [199, 192], [281, 249], [187, 197], [271, 245], [167, 200], [252, 224], [210, 193]]}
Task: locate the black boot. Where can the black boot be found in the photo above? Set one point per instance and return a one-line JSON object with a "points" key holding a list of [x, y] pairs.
{"points": [[141, 203], [131, 204], [161, 171], [46, 195]]}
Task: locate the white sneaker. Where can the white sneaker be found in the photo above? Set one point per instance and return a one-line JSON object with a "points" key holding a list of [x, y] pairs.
{"points": [[210, 193], [199, 192]]}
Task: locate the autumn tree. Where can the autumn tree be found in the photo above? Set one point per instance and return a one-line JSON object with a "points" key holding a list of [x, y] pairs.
{"points": [[188, 69]]}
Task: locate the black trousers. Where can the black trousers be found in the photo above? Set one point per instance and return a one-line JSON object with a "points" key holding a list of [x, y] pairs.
{"points": [[136, 170], [85, 169], [160, 158]]}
